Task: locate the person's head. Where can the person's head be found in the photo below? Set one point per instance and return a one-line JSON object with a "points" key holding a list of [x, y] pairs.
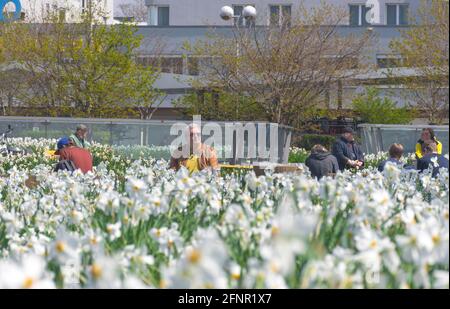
{"points": [[348, 134], [430, 147], [427, 134], [63, 143], [81, 131], [396, 151], [318, 149], [194, 133]]}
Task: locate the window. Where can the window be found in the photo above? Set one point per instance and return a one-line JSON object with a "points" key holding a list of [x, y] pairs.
{"points": [[344, 62], [397, 14], [62, 15], [172, 65], [241, 21], [163, 16], [165, 64], [389, 61], [193, 66], [83, 6], [358, 15], [159, 15], [274, 15], [286, 15], [238, 12], [280, 15]]}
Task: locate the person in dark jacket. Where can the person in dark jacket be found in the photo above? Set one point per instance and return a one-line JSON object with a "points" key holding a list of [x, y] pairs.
{"points": [[431, 157], [395, 154], [321, 163], [347, 152]]}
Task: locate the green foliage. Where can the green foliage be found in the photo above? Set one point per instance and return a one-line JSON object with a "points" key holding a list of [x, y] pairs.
{"points": [[219, 105], [298, 155], [85, 69], [307, 141], [374, 109]]}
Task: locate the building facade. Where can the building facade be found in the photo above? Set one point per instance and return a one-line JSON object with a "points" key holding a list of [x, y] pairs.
{"points": [[35, 11], [176, 22], [206, 12]]}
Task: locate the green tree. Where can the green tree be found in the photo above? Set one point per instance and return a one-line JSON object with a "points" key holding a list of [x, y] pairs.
{"points": [[84, 69], [143, 97], [220, 105], [284, 69], [425, 47], [372, 108]]}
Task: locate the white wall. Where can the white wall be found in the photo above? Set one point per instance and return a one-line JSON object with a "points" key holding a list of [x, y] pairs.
{"points": [[206, 12], [35, 9]]}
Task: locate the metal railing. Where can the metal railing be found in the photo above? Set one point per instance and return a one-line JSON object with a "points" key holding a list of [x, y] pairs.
{"points": [[379, 137], [139, 132]]}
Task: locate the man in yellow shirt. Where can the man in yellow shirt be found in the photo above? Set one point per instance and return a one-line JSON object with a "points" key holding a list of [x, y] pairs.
{"points": [[201, 156]]}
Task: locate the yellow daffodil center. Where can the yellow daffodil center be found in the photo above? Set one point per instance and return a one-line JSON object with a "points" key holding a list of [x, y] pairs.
{"points": [[436, 239], [275, 230], [60, 247], [96, 271], [162, 284], [28, 283], [194, 256]]}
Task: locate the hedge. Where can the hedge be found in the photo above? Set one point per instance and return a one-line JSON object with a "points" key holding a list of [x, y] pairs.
{"points": [[307, 141]]}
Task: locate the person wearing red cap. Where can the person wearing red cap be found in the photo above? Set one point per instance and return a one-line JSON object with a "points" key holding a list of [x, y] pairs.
{"points": [[80, 157]]}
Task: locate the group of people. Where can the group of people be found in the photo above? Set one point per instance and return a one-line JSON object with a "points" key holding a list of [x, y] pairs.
{"points": [[347, 154], [73, 151]]}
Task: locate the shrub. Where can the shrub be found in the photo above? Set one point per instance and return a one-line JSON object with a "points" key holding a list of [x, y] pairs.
{"points": [[374, 109], [298, 155], [307, 141]]}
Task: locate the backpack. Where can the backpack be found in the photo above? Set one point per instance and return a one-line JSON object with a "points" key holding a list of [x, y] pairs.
{"points": [[65, 165]]}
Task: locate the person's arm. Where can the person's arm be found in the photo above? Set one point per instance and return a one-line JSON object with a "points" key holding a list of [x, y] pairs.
{"points": [[335, 165], [175, 158], [63, 155], [439, 147], [338, 152], [173, 164], [381, 166], [213, 161], [307, 162], [421, 164], [360, 154], [74, 139], [419, 151]]}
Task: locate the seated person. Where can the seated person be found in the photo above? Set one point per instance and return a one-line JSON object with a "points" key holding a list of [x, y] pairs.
{"points": [[431, 157], [198, 157], [321, 162], [79, 137], [395, 154], [80, 157], [426, 137], [347, 151]]}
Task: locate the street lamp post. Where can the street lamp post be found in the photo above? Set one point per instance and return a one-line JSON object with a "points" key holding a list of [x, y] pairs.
{"points": [[227, 13]]}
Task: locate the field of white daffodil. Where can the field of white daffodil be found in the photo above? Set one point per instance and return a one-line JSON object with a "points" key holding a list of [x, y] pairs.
{"points": [[134, 224]]}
